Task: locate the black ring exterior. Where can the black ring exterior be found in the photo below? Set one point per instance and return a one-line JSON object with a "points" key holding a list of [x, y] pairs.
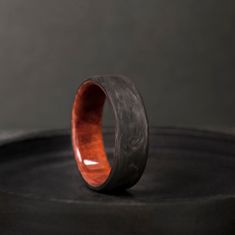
{"points": [[131, 132]]}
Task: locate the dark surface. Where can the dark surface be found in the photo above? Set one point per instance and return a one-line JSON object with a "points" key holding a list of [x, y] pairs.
{"points": [[179, 53], [187, 188]]}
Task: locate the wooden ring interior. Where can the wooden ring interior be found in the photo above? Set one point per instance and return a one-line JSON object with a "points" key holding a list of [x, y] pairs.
{"points": [[87, 135]]}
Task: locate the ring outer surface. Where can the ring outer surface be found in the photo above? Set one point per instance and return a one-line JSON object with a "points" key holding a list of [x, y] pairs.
{"points": [[131, 132]]}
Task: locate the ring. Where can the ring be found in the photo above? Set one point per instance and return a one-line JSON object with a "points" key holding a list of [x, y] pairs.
{"points": [[131, 133]]}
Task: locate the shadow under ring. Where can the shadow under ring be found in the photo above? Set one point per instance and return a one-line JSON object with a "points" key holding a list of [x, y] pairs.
{"points": [[131, 133]]}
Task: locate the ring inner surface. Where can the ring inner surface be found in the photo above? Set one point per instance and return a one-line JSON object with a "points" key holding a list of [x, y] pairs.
{"points": [[87, 134]]}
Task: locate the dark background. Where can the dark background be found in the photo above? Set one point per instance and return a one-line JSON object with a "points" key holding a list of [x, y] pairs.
{"points": [[179, 53]]}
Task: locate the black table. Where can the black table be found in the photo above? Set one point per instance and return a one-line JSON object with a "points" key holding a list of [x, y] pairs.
{"points": [[187, 188]]}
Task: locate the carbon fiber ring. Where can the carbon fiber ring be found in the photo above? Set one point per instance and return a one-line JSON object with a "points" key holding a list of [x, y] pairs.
{"points": [[131, 133]]}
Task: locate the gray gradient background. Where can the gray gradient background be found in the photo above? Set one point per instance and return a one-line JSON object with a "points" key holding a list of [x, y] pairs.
{"points": [[179, 53]]}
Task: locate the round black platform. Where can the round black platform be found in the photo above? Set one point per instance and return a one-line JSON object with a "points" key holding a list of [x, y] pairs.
{"points": [[187, 188]]}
